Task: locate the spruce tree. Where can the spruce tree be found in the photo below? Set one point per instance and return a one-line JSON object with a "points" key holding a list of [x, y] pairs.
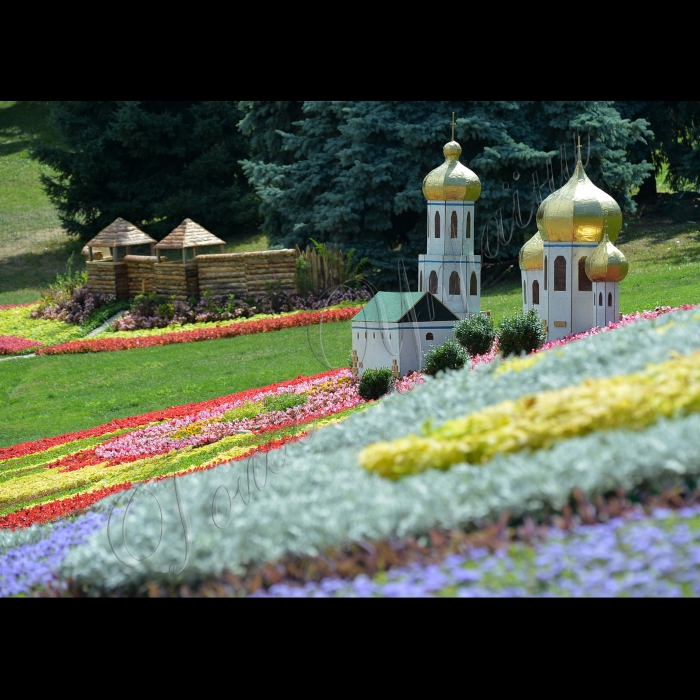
{"points": [[350, 173], [152, 163]]}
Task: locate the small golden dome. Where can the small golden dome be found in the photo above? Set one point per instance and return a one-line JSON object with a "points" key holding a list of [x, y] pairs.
{"points": [[576, 211], [606, 263], [452, 181], [531, 254]]}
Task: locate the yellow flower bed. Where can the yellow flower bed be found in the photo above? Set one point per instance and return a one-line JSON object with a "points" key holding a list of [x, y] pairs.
{"points": [[632, 401], [17, 322]]}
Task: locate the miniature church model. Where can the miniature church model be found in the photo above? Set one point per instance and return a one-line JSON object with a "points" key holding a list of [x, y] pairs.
{"points": [[570, 268], [450, 270], [395, 329]]}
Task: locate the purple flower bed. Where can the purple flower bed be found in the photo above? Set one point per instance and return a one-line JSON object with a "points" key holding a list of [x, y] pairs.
{"points": [[639, 556], [150, 311], [29, 565], [75, 307]]}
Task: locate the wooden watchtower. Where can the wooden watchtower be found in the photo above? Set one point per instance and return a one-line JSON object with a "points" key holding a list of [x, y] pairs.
{"points": [[110, 275], [180, 278]]}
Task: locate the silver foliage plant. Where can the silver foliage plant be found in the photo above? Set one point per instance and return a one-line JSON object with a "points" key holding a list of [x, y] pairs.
{"points": [[315, 495]]}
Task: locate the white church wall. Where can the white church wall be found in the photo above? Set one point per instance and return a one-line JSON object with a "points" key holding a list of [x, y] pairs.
{"points": [[559, 300], [581, 303]]}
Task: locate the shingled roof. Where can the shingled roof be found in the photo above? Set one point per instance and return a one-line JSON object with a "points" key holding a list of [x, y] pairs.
{"points": [[189, 235], [120, 233]]}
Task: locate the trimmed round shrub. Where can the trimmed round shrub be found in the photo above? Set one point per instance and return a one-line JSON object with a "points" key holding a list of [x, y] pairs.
{"points": [[476, 334], [449, 355], [521, 333], [374, 383]]}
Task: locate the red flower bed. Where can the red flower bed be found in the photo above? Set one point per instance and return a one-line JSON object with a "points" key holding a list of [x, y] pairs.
{"points": [[11, 345], [16, 306], [244, 328], [27, 448], [48, 511]]}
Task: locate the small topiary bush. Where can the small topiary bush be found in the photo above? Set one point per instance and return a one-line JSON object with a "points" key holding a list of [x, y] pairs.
{"points": [[374, 383], [449, 355], [521, 333], [476, 334]]}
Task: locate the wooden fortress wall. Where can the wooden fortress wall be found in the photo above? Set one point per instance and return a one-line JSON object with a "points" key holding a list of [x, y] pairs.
{"points": [[142, 274], [247, 274], [242, 274], [176, 279], [109, 278]]}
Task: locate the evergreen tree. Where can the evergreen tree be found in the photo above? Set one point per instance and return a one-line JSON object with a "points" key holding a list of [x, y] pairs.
{"points": [[350, 173], [152, 163], [675, 143]]}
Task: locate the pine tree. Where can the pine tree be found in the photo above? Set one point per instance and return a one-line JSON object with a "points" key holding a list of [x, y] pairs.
{"points": [[152, 163], [350, 173]]}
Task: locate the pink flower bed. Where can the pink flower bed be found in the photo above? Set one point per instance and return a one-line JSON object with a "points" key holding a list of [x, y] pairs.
{"points": [[11, 345], [325, 396], [16, 306]]}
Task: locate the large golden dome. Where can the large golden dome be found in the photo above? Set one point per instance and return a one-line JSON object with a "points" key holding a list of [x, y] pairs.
{"points": [[530, 257], [452, 181], [576, 211], [606, 263]]}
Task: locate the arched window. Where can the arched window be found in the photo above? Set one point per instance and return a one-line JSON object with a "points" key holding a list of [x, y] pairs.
{"points": [[535, 292], [453, 225], [524, 292], [432, 282], [420, 283], [429, 336], [545, 273], [600, 299], [560, 273], [454, 283], [609, 298], [472, 284], [437, 224], [469, 224], [584, 284]]}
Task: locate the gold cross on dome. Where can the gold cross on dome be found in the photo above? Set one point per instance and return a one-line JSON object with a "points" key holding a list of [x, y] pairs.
{"points": [[453, 126], [579, 147]]}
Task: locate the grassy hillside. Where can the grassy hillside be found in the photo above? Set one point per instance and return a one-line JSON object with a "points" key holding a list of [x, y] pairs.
{"points": [[33, 247]]}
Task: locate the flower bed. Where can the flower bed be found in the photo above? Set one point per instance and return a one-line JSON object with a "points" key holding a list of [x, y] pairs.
{"points": [[17, 306], [72, 471], [17, 322], [323, 498], [231, 331], [11, 345], [641, 556]]}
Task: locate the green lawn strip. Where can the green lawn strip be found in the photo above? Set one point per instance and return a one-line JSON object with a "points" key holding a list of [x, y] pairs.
{"points": [[53, 395], [187, 459]]}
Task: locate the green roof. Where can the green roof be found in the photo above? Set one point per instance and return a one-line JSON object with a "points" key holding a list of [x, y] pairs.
{"points": [[403, 307]]}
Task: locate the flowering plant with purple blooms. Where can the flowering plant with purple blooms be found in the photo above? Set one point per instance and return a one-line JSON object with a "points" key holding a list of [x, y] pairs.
{"points": [[75, 307], [34, 563], [637, 556], [151, 311]]}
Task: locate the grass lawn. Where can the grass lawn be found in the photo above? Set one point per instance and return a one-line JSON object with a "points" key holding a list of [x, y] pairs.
{"points": [[52, 395], [664, 271]]}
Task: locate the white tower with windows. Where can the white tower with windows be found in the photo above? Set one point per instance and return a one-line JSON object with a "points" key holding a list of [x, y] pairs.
{"points": [[450, 270]]}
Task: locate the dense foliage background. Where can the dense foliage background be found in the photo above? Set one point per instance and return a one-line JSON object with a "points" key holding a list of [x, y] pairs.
{"points": [[350, 173]]}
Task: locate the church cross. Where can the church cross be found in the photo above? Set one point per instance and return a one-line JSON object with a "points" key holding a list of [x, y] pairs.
{"points": [[453, 126]]}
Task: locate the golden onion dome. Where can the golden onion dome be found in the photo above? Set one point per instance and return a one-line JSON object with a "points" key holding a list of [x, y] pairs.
{"points": [[452, 181], [606, 263], [531, 254], [576, 211]]}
